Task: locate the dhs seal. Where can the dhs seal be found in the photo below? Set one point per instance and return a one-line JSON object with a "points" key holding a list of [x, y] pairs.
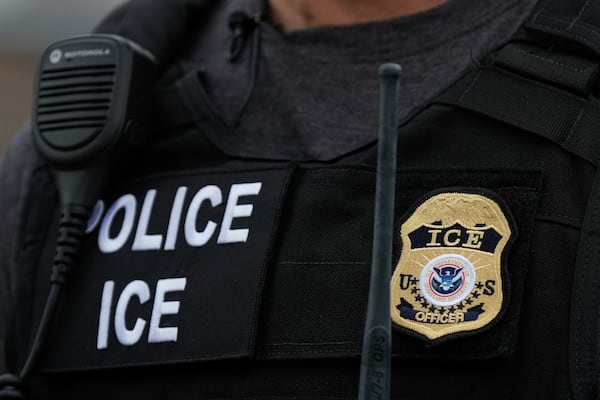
{"points": [[447, 280]]}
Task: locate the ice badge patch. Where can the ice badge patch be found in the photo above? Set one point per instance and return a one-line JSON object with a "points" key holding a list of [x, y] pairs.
{"points": [[449, 277]]}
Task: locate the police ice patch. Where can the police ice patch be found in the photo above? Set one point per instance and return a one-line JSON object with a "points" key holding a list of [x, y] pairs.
{"points": [[449, 279]]}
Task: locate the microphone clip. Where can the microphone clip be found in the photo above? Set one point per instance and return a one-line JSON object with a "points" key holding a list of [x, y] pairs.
{"points": [[241, 25]]}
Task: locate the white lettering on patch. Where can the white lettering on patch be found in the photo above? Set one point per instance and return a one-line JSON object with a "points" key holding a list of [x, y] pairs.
{"points": [[141, 291], [144, 241], [175, 217], [192, 236], [197, 228], [235, 210], [161, 307], [126, 336], [127, 203], [107, 295]]}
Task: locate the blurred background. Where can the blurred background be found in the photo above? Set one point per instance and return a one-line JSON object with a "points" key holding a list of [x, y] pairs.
{"points": [[27, 27]]}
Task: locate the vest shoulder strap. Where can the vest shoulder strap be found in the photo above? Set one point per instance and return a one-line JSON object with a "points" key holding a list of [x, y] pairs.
{"points": [[558, 115], [545, 81], [573, 20]]}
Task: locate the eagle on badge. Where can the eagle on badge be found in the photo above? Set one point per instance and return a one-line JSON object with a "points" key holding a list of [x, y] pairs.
{"points": [[447, 278]]}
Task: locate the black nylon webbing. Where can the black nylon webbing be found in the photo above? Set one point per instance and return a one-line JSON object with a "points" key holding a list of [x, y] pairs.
{"points": [[568, 120], [579, 21], [574, 124], [573, 20], [569, 71]]}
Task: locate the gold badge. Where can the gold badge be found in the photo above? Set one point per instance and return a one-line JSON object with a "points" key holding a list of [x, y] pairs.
{"points": [[449, 277]]}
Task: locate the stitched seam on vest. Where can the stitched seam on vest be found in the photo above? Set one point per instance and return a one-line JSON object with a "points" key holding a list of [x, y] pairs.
{"points": [[291, 353], [589, 335], [323, 263], [341, 185], [583, 8], [543, 8], [549, 60], [578, 220], [468, 89], [569, 33], [566, 141], [309, 343]]}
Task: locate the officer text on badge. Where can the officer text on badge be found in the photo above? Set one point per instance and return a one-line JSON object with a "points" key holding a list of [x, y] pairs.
{"points": [[449, 276]]}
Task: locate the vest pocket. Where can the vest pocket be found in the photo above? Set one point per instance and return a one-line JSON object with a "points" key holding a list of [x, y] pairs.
{"points": [[317, 285]]}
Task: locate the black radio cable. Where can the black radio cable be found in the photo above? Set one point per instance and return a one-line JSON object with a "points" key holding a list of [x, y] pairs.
{"points": [[72, 225]]}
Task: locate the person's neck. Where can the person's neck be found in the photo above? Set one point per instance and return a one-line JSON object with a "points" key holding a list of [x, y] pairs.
{"points": [[291, 15]]}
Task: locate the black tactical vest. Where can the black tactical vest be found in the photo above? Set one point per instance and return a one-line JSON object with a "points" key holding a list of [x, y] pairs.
{"points": [[212, 271]]}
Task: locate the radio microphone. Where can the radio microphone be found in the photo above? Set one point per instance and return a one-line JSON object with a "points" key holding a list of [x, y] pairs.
{"points": [[91, 104]]}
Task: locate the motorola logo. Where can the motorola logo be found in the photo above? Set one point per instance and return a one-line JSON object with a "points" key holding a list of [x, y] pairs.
{"points": [[55, 56], [87, 53]]}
